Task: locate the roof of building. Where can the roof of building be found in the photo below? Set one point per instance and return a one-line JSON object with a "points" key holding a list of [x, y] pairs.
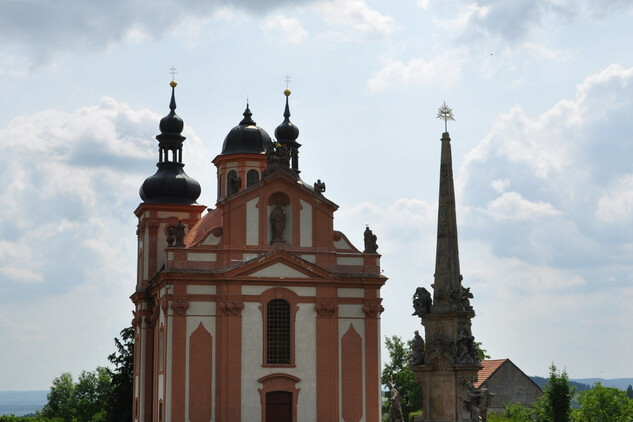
{"points": [[170, 184], [246, 137], [489, 367]]}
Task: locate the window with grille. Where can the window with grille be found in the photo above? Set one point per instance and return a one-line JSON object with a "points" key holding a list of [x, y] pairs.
{"points": [[278, 332], [252, 177]]}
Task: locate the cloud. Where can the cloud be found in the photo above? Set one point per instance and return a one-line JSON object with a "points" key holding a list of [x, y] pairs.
{"points": [[442, 70], [356, 14], [616, 204], [515, 23], [39, 32], [512, 206], [569, 172], [289, 30], [65, 219]]}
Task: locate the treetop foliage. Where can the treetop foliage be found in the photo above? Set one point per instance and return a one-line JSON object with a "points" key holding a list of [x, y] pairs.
{"points": [[103, 395], [397, 371]]}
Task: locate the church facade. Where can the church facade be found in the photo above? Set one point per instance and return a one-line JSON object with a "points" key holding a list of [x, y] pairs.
{"points": [[257, 309]]}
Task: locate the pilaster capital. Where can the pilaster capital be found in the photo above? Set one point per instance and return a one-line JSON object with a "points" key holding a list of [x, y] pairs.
{"points": [[326, 309], [231, 307], [372, 310], [180, 306]]}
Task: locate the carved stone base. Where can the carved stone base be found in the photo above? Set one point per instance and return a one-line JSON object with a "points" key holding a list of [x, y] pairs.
{"points": [[278, 243], [443, 391]]}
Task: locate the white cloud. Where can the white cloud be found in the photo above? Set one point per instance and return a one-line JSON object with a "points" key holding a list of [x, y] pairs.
{"points": [[569, 173], [289, 30], [512, 206], [356, 14], [500, 185], [616, 205], [442, 70], [75, 166]]}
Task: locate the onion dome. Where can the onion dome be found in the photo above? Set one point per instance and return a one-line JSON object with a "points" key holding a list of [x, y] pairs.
{"points": [[246, 138], [287, 134], [170, 184]]}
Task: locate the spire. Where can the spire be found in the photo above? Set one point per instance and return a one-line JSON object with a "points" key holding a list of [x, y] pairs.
{"points": [[247, 120], [287, 134], [170, 184], [447, 289]]}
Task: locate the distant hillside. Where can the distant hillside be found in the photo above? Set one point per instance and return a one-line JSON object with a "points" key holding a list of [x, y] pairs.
{"points": [[580, 386], [587, 383], [621, 383], [20, 403]]}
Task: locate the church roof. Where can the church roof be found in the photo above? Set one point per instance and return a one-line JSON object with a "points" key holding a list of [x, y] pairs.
{"points": [[246, 137], [170, 184]]}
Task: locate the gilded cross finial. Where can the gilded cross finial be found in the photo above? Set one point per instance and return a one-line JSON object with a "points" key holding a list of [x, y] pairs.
{"points": [[287, 80], [445, 113], [173, 72]]}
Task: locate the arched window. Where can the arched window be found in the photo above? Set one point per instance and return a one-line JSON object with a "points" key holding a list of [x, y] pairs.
{"points": [[252, 177], [278, 334], [233, 183]]}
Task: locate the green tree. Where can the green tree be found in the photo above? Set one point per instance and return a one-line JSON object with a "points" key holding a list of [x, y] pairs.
{"points": [[555, 403], [83, 401], [13, 418], [120, 405], [604, 404], [61, 399], [481, 352], [403, 378], [92, 395], [629, 391]]}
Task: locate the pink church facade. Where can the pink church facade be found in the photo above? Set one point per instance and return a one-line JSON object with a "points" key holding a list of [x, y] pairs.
{"points": [[257, 309]]}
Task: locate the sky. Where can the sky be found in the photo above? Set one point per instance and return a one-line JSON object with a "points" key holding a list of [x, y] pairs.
{"points": [[542, 94]]}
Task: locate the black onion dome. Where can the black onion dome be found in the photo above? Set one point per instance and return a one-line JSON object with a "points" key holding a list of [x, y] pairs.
{"points": [[287, 132], [246, 138], [170, 184]]}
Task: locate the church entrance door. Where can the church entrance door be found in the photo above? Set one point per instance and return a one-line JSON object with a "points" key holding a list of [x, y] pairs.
{"points": [[279, 406]]}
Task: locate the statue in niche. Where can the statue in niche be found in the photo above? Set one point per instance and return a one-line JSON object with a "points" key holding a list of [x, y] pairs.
{"points": [[235, 183], [441, 353], [171, 233], [421, 302], [476, 402], [465, 299], [395, 409], [453, 299], [486, 401], [417, 350], [277, 158], [319, 187], [466, 349], [180, 234], [278, 223], [472, 399], [370, 241]]}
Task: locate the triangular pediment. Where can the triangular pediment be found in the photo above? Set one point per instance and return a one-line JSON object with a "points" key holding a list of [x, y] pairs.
{"points": [[280, 265], [279, 270]]}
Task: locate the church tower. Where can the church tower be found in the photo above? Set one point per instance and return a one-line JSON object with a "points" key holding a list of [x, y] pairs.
{"points": [[258, 309], [447, 368]]}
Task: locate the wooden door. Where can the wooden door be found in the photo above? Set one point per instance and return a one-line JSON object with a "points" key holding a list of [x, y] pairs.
{"points": [[279, 406]]}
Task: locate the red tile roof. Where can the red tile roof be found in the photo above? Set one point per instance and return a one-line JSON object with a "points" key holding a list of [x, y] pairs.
{"points": [[489, 367]]}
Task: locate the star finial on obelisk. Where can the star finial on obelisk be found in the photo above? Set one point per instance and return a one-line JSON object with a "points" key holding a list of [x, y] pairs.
{"points": [[445, 113]]}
